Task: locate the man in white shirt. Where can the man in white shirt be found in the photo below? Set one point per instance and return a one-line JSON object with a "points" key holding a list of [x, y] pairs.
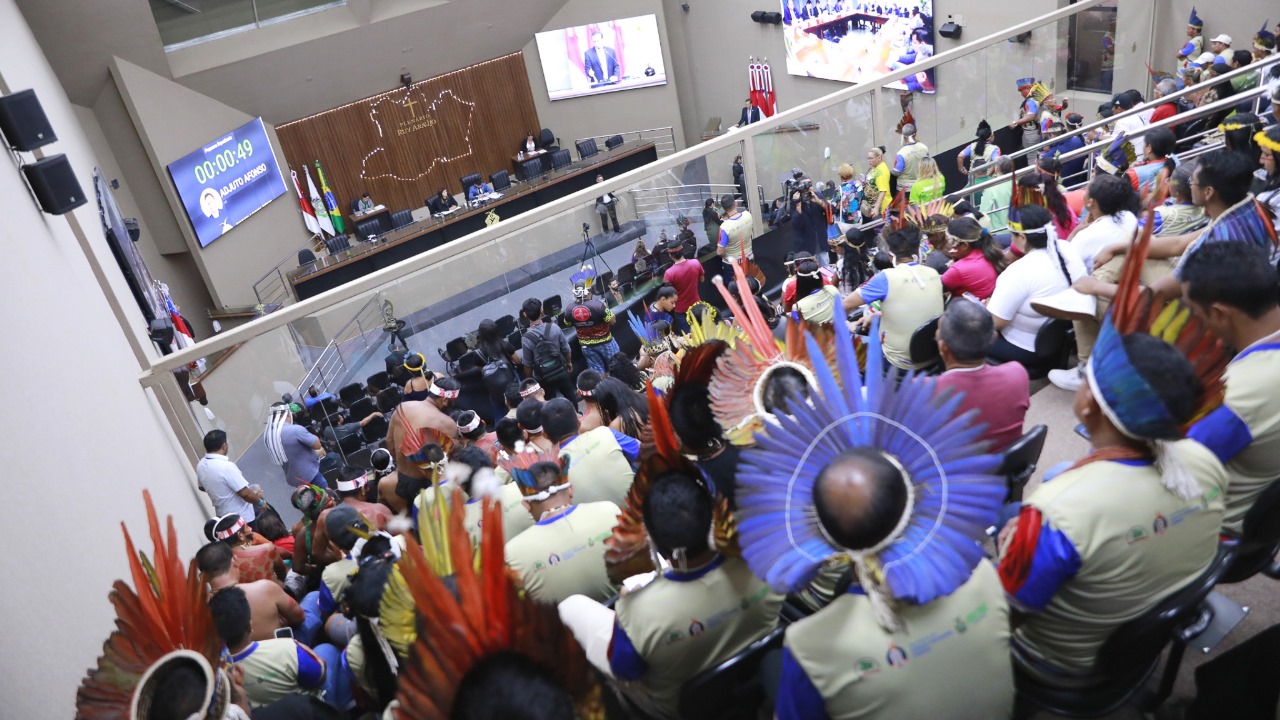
{"points": [[1127, 100], [218, 476]]}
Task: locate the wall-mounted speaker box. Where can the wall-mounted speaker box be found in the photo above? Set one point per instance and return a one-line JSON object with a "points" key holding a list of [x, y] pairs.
{"points": [[23, 122], [55, 184], [950, 31]]}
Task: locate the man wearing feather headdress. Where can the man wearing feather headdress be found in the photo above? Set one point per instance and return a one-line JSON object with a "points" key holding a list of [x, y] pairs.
{"points": [[891, 480], [1195, 41], [1135, 519], [563, 553]]}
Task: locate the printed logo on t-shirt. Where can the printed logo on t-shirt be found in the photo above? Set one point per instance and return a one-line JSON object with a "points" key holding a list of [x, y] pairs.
{"points": [[868, 665], [896, 657], [553, 559], [581, 313], [1159, 525], [1136, 534]]}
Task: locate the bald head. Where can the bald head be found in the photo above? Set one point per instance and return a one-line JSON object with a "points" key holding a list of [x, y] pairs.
{"points": [[859, 497]]}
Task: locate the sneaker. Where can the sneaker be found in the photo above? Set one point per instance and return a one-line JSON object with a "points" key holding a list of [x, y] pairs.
{"points": [[1069, 380], [1067, 305]]}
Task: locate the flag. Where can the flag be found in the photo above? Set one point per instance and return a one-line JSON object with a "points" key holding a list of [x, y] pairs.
{"points": [[330, 203], [770, 106], [317, 204], [308, 215]]}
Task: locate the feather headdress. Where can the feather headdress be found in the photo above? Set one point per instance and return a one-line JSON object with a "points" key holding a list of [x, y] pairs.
{"points": [[742, 375], [706, 327], [1195, 21], [922, 215], [1158, 75], [953, 491], [584, 277], [162, 622], [521, 468], [476, 615], [907, 119], [1265, 40], [1125, 397], [1118, 156], [659, 454], [649, 337]]}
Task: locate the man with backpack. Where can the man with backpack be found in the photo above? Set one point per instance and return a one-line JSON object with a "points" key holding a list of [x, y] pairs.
{"points": [[545, 350], [594, 324]]}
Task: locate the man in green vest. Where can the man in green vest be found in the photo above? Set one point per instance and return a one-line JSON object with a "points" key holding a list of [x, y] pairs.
{"points": [[1138, 517], [906, 165], [701, 612], [602, 460], [910, 295], [563, 553], [736, 233]]}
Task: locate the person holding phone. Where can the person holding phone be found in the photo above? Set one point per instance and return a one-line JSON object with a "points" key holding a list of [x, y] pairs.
{"points": [[271, 607]]}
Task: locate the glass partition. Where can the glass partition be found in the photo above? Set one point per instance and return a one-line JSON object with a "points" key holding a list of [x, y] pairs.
{"points": [[442, 294], [185, 22]]}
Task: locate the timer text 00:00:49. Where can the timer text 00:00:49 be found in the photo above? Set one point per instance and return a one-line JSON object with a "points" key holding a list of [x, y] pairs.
{"points": [[223, 161]]}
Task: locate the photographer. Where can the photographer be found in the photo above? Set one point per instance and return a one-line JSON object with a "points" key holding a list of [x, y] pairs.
{"points": [[809, 217]]}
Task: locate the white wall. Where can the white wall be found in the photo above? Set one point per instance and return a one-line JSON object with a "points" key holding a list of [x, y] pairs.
{"points": [[87, 439], [639, 109]]}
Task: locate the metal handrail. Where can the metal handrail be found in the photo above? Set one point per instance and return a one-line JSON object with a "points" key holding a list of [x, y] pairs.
{"points": [[669, 143], [1148, 105], [511, 227]]}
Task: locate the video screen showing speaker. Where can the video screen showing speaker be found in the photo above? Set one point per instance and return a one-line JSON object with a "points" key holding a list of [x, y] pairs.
{"points": [[227, 180], [855, 41], [602, 57]]}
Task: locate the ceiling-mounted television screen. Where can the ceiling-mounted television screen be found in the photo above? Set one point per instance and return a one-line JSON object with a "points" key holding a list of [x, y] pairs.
{"points": [[602, 57], [227, 180], [858, 41]]}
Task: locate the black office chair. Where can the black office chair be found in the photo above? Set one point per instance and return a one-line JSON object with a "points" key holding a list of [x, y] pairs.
{"points": [[1018, 461], [401, 218], [337, 244], [452, 352], [361, 408], [530, 169], [468, 181], [923, 348], [375, 430], [548, 141], [627, 277], [378, 382], [366, 228], [1055, 343], [326, 408], [601, 286], [1127, 659], [355, 205], [351, 393], [587, 148], [505, 324], [347, 443], [516, 338], [560, 158], [500, 180], [390, 399], [305, 257], [731, 689], [1259, 538], [613, 142], [552, 305]]}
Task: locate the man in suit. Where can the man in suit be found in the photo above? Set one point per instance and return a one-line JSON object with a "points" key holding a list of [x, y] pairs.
{"points": [[600, 62], [479, 188], [750, 114]]}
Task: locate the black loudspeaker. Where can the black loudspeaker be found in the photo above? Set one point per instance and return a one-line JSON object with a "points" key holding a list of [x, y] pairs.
{"points": [[55, 184], [766, 17], [23, 122], [950, 30]]}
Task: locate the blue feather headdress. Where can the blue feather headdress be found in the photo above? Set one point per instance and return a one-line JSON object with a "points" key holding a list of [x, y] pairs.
{"points": [[1118, 156], [1194, 21], [1265, 40], [521, 466], [585, 277], [648, 336], [955, 492]]}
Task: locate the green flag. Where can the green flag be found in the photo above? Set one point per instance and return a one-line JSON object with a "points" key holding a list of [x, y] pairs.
{"points": [[335, 215]]}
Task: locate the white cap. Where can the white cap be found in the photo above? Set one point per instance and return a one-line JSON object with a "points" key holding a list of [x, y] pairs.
{"points": [[1205, 59], [1223, 38]]}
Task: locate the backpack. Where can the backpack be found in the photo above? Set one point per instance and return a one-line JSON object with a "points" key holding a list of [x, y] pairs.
{"points": [[548, 363], [497, 374]]}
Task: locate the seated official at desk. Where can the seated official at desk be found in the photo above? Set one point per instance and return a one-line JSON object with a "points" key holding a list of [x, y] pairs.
{"points": [[365, 203], [529, 144], [479, 189], [441, 202]]}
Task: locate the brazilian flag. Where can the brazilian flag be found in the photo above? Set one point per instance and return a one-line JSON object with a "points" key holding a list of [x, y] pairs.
{"points": [[330, 204]]}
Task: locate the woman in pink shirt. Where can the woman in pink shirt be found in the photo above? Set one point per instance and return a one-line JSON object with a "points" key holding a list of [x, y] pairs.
{"points": [[977, 259]]}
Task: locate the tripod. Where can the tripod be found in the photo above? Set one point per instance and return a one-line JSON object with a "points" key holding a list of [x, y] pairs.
{"points": [[589, 252]]}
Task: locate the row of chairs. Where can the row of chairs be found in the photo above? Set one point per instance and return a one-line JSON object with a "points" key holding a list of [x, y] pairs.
{"points": [[1055, 343], [560, 157]]}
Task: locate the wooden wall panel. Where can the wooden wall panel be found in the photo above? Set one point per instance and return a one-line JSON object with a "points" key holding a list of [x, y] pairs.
{"points": [[403, 145]]}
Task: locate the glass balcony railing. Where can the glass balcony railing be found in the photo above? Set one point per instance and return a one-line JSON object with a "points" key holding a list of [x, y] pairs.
{"points": [[443, 293], [188, 22]]}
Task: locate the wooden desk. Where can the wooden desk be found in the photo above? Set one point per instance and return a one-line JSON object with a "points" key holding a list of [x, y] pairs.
{"points": [[363, 258], [382, 215], [858, 18], [517, 162]]}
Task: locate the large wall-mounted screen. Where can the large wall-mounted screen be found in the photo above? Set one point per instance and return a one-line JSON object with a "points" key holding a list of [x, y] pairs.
{"points": [[857, 41], [602, 57], [227, 180]]}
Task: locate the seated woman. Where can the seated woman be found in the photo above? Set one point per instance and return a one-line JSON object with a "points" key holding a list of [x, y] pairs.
{"points": [[1045, 266], [816, 301], [1043, 189], [442, 201], [592, 417], [977, 259]]}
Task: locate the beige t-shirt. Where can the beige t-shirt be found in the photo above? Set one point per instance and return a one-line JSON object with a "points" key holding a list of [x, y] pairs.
{"points": [[564, 554]]}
